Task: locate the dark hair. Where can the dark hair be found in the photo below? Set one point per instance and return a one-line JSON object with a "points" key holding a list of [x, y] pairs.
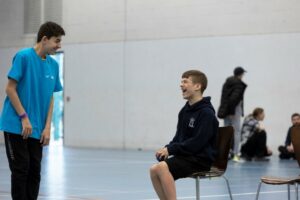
{"points": [[257, 111], [295, 115], [50, 29], [197, 77]]}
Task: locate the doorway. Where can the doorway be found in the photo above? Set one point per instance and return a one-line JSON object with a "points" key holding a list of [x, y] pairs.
{"points": [[58, 108]]}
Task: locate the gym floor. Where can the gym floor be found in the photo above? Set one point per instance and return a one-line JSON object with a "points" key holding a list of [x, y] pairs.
{"points": [[95, 174]]}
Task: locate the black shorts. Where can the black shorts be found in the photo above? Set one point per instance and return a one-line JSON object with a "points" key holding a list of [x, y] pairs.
{"points": [[184, 166]]}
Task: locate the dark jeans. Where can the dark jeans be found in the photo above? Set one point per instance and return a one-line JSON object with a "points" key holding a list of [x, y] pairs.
{"points": [[285, 154], [24, 158], [256, 145]]}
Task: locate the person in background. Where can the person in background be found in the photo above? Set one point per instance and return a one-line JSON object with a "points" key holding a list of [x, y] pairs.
{"points": [[27, 110], [232, 107], [254, 136], [287, 151]]}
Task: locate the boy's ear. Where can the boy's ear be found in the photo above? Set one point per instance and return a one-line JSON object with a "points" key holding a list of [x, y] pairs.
{"points": [[198, 86], [44, 38]]}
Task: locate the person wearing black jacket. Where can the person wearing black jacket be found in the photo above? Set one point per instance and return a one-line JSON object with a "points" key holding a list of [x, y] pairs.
{"points": [[192, 148], [287, 151], [232, 108]]}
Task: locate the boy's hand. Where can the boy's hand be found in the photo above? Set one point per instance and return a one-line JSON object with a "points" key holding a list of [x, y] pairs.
{"points": [[290, 148], [45, 138], [162, 154], [26, 128]]}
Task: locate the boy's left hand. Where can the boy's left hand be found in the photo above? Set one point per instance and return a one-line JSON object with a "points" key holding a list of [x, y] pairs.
{"points": [[45, 138]]}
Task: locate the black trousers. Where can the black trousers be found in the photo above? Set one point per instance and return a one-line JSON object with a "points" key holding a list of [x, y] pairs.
{"points": [[285, 154], [24, 158], [256, 145]]}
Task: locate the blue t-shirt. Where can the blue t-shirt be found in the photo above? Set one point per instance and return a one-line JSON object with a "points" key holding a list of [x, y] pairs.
{"points": [[37, 79]]}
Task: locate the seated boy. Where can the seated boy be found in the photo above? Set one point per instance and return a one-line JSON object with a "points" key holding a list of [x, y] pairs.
{"points": [[192, 148], [287, 151]]}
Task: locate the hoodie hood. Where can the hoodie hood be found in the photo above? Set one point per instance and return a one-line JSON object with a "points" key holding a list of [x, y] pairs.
{"points": [[203, 103]]}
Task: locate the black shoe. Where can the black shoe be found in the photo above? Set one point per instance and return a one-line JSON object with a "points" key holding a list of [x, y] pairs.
{"points": [[246, 157], [282, 149]]}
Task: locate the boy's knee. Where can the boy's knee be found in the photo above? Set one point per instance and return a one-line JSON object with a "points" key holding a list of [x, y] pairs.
{"points": [[153, 169], [158, 168]]}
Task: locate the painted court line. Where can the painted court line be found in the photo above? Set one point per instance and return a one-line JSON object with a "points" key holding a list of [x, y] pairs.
{"points": [[55, 197], [226, 195]]}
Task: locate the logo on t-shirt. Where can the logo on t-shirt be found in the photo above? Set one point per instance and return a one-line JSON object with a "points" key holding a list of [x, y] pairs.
{"points": [[191, 123], [49, 77]]}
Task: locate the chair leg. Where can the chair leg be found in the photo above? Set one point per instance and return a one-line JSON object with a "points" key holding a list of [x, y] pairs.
{"points": [[258, 190], [296, 190], [229, 190], [197, 188], [289, 193]]}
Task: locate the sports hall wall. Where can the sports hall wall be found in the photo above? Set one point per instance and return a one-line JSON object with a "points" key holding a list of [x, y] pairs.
{"points": [[124, 59]]}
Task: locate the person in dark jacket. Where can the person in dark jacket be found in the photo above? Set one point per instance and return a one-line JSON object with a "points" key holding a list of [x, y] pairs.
{"points": [[192, 148], [232, 108], [287, 151]]}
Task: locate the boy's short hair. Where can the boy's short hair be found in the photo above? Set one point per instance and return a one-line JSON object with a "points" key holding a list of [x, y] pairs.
{"points": [[295, 115], [50, 29], [197, 77]]}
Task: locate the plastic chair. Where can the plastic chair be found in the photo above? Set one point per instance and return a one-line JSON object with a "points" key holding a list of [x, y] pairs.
{"points": [[272, 180], [219, 167]]}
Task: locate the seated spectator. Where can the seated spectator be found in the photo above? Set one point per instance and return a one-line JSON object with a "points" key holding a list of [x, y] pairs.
{"points": [[287, 151], [254, 136]]}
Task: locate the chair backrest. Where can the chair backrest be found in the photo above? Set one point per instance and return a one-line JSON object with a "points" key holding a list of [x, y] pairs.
{"points": [[295, 136], [224, 141]]}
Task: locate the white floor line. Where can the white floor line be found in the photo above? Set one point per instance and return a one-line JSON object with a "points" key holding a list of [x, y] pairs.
{"points": [[224, 195]]}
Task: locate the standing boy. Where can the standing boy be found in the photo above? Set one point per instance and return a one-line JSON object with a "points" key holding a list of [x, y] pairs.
{"points": [[192, 148], [232, 106], [27, 110]]}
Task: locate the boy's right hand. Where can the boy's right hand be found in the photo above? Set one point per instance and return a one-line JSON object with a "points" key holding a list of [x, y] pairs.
{"points": [[162, 154], [26, 128], [290, 148]]}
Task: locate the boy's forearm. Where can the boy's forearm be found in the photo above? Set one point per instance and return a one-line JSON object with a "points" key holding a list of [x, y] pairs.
{"points": [[49, 116], [14, 98]]}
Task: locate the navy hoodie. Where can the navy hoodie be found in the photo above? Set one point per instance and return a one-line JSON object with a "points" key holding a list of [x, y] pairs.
{"points": [[197, 130]]}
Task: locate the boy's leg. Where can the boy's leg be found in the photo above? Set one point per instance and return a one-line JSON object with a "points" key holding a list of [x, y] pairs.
{"points": [[34, 175], [260, 144], [284, 153], [163, 181], [18, 159], [228, 122], [248, 149], [236, 123]]}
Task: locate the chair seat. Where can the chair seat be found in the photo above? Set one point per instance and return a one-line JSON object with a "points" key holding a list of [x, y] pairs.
{"points": [[280, 180], [213, 172]]}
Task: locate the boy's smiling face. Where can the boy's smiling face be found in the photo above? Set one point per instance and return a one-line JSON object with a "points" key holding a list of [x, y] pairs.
{"points": [[52, 45], [188, 88]]}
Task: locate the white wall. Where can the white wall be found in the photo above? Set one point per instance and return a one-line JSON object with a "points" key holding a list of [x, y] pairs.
{"points": [[118, 20], [94, 79], [135, 105], [124, 59]]}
